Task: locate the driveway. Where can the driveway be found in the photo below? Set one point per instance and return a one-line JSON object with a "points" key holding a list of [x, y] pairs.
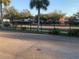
{"points": [[14, 45]]}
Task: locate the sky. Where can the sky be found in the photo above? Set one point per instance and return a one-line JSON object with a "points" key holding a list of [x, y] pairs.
{"points": [[66, 6]]}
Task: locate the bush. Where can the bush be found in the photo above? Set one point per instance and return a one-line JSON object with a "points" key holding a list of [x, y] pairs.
{"points": [[54, 31], [23, 28], [73, 32]]}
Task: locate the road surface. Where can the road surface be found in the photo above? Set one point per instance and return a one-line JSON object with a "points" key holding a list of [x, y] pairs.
{"points": [[14, 45]]}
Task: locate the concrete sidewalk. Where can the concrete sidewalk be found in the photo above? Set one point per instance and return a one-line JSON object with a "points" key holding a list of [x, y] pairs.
{"points": [[37, 46]]}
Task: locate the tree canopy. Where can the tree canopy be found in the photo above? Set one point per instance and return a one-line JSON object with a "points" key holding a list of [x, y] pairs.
{"points": [[39, 4], [11, 12], [5, 2]]}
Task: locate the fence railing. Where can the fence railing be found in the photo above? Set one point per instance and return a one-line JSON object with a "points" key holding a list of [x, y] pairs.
{"points": [[49, 29]]}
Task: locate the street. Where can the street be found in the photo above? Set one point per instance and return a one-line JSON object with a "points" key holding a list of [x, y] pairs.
{"points": [[15, 45]]}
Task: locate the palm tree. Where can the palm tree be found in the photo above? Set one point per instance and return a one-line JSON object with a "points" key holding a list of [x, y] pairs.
{"points": [[39, 4], [5, 3]]}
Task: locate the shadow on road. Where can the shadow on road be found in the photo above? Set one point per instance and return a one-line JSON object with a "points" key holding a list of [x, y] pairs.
{"points": [[32, 36]]}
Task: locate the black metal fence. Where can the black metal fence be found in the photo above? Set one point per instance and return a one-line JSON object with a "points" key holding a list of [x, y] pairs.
{"points": [[56, 29]]}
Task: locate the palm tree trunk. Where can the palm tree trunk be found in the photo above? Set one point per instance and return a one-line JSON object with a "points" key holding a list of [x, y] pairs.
{"points": [[1, 16], [38, 27]]}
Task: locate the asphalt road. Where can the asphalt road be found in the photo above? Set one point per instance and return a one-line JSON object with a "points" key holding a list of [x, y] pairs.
{"points": [[14, 45]]}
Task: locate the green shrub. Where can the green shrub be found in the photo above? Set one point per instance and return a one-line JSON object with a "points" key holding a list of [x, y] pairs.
{"points": [[6, 25], [23, 28], [73, 32], [54, 31]]}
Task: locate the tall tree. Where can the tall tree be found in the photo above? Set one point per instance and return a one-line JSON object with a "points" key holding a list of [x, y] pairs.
{"points": [[39, 4], [11, 13], [5, 3], [55, 17], [76, 15], [25, 14]]}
